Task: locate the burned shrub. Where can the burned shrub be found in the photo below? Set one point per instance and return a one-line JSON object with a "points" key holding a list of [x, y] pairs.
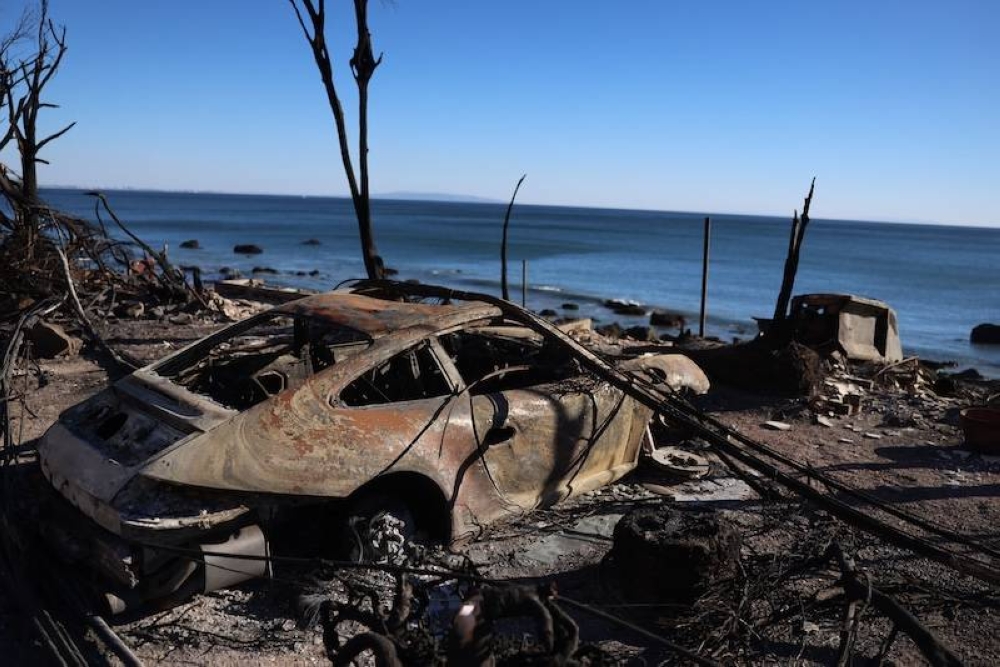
{"points": [[668, 554]]}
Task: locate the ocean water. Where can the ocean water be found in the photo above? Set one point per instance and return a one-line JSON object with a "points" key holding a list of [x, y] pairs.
{"points": [[941, 280]]}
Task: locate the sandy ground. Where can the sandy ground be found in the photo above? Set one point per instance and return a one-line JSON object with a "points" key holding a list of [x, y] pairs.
{"points": [[904, 447]]}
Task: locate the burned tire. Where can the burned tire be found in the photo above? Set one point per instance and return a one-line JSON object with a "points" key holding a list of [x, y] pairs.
{"points": [[377, 528]]}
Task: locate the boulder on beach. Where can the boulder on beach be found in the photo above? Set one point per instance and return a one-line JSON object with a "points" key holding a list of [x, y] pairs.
{"points": [[664, 318], [612, 330], [247, 249], [645, 334], [191, 244], [985, 334], [629, 308]]}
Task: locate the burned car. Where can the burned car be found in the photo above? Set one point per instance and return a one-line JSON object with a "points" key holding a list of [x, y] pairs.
{"points": [[449, 415]]}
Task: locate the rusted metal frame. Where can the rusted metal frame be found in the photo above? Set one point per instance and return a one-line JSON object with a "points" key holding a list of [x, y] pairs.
{"points": [[381, 354], [725, 438], [175, 362], [113, 641]]}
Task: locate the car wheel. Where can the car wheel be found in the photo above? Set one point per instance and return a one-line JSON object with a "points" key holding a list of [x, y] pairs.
{"points": [[378, 529]]}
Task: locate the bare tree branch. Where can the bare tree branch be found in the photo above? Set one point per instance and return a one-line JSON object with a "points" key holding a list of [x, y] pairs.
{"points": [[503, 243], [22, 84], [792, 259], [53, 136], [363, 64]]}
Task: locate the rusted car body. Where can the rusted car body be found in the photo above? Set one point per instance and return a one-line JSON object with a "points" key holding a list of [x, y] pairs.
{"points": [[457, 408]]}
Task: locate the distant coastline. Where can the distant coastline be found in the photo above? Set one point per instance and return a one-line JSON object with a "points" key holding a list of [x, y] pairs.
{"points": [[475, 199], [393, 196]]}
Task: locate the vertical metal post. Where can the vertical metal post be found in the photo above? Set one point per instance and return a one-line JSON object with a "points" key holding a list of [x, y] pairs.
{"points": [[524, 283], [704, 277]]}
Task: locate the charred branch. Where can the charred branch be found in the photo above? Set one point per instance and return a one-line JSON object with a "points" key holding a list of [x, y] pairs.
{"points": [[798, 233], [312, 19], [503, 244], [24, 83], [126, 364], [860, 590]]}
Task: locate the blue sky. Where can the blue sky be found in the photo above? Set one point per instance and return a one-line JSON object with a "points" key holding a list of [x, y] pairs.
{"points": [[703, 106]]}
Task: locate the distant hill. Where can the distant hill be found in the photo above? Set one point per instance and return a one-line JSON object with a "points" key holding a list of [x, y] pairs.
{"points": [[436, 196]]}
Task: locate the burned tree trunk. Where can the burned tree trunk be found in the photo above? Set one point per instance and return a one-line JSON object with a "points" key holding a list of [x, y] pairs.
{"points": [[363, 64], [503, 244], [792, 261], [23, 82]]}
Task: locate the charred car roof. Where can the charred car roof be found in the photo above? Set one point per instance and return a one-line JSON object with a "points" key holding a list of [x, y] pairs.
{"points": [[378, 317]]}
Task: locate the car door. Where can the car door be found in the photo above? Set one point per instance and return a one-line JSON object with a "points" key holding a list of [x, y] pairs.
{"points": [[542, 435]]}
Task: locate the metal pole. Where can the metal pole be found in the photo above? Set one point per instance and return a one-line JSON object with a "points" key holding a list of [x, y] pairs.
{"points": [[704, 277], [524, 283]]}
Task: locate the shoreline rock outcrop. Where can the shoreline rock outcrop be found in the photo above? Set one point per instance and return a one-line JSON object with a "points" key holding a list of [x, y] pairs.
{"points": [[985, 334]]}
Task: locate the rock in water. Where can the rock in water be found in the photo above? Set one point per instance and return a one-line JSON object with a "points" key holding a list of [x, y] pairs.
{"points": [[664, 553], [663, 318], [191, 244], [247, 249], [985, 334]]}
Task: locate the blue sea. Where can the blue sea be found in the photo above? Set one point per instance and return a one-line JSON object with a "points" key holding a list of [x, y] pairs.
{"points": [[941, 280]]}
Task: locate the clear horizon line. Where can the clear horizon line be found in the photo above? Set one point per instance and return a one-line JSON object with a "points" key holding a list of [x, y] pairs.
{"points": [[490, 200]]}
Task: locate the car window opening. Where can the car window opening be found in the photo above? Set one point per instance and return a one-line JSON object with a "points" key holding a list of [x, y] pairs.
{"points": [[409, 376], [277, 353], [481, 355]]}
